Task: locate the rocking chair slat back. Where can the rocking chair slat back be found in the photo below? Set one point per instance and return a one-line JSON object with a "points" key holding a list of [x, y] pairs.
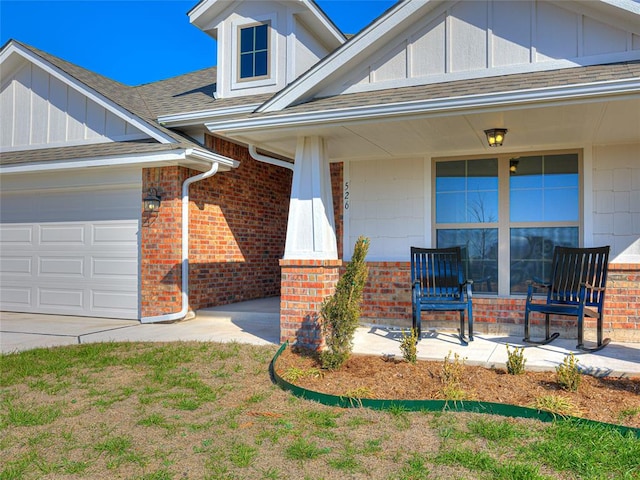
{"points": [[575, 267], [439, 273], [438, 285]]}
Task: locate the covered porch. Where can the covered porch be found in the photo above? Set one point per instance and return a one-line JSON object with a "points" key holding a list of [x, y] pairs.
{"points": [[380, 164]]}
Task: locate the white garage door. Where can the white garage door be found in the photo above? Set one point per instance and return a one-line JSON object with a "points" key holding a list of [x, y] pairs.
{"points": [[69, 244]]}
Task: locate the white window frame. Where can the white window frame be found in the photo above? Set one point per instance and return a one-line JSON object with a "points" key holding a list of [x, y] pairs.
{"points": [[504, 225], [267, 80]]}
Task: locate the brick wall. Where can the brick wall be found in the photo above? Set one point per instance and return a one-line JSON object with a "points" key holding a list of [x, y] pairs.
{"points": [[387, 301], [238, 223], [622, 301], [160, 243]]}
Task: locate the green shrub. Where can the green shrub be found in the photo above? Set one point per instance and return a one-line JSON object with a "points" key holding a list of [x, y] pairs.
{"points": [[452, 371], [409, 345], [515, 361], [568, 375], [452, 374], [341, 311]]}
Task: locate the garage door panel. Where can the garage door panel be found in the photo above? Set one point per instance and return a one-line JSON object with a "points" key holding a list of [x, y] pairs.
{"points": [[61, 267], [113, 301], [115, 234], [71, 251], [16, 297], [62, 234], [60, 297], [16, 235], [16, 266], [111, 268]]}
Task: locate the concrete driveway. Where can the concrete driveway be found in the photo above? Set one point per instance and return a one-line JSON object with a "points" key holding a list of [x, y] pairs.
{"points": [[256, 322]]}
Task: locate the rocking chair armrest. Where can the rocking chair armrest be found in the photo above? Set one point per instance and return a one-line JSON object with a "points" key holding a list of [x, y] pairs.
{"points": [[533, 285], [468, 284], [591, 287], [537, 283]]}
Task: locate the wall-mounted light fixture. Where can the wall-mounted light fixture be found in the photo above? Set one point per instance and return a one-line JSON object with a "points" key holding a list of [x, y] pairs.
{"points": [[495, 136], [151, 202]]}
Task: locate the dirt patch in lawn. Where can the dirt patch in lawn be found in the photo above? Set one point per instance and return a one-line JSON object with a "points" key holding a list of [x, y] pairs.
{"points": [[606, 399]]}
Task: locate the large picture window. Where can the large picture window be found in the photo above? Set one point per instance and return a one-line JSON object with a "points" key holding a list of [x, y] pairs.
{"points": [[508, 214], [254, 52]]}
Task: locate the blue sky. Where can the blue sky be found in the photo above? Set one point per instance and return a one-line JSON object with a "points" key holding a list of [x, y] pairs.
{"points": [[138, 42]]}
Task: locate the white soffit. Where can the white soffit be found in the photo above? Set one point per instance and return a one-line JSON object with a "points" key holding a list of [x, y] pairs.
{"points": [[15, 49]]}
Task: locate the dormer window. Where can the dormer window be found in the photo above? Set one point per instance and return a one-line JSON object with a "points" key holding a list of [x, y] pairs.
{"points": [[254, 52]]}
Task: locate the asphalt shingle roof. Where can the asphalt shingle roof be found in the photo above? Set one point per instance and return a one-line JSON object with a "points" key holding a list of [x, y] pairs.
{"points": [[192, 92], [461, 88]]}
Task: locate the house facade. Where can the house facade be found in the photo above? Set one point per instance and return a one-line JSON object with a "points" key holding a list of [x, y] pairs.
{"points": [[301, 140]]}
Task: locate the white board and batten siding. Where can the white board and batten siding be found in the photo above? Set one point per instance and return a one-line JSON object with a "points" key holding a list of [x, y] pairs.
{"points": [[472, 39], [69, 243], [40, 111], [386, 204]]}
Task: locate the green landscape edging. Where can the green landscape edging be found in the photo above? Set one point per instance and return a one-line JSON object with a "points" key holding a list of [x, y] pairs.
{"points": [[492, 408]]}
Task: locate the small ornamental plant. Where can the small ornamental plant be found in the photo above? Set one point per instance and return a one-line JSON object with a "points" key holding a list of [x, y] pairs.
{"points": [[568, 375], [515, 360], [409, 346], [341, 312], [452, 373]]}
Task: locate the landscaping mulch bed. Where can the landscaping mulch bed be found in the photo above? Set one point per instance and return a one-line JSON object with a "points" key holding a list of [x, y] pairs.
{"points": [[606, 399]]}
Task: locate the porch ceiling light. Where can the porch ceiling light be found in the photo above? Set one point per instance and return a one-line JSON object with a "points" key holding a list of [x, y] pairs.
{"points": [[151, 202], [495, 136]]}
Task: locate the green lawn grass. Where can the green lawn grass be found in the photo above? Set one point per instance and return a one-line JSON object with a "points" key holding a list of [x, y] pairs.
{"points": [[210, 411]]}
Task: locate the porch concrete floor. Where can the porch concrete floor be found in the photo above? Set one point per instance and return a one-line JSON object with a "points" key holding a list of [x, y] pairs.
{"points": [[257, 322]]}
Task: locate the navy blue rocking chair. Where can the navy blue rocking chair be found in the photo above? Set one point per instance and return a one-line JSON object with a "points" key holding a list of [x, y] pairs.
{"points": [[438, 284], [577, 288]]}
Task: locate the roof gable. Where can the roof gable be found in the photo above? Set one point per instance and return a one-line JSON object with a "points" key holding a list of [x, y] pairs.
{"points": [[53, 103], [419, 43], [207, 12], [294, 35]]}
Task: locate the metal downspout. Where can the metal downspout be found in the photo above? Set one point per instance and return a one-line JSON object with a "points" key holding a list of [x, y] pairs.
{"points": [[185, 249], [271, 161]]}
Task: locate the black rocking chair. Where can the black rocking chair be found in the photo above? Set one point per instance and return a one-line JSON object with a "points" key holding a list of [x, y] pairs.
{"points": [[438, 284], [578, 282]]}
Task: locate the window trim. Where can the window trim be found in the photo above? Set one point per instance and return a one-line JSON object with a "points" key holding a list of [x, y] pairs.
{"points": [[503, 224], [238, 34]]}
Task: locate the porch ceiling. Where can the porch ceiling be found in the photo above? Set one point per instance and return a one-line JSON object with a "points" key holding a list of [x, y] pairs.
{"points": [[610, 121]]}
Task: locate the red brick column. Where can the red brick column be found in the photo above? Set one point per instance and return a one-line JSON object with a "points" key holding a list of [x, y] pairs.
{"points": [[304, 285], [161, 243]]}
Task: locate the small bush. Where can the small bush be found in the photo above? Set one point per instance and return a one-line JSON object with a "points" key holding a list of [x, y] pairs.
{"points": [[341, 311], [409, 345], [515, 361], [568, 375], [452, 371]]}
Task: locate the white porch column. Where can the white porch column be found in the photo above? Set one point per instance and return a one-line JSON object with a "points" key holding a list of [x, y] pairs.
{"points": [[311, 228]]}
